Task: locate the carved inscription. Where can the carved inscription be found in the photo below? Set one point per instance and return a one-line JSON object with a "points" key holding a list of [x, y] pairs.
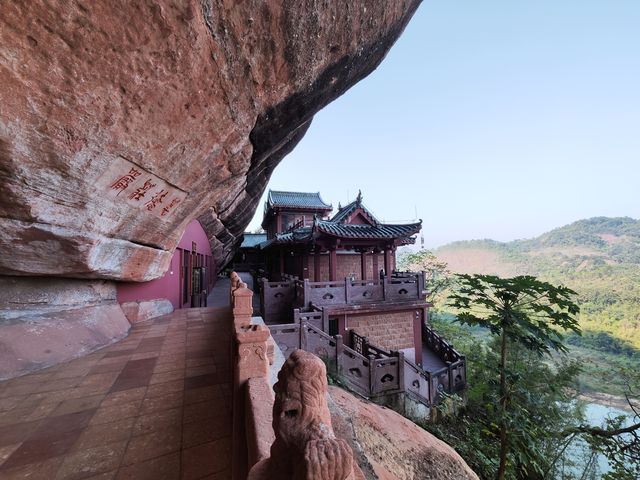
{"points": [[129, 183]]}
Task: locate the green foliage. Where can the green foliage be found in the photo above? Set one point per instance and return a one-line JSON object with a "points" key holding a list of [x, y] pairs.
{"points": [[542, 405], [522, 312], [525, 309], [599, 258], [437, 275], [545, 420]]}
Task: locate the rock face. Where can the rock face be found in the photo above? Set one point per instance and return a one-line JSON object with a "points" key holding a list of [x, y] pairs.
{"points": [[48, 321], [122, 121], [390, 447], [141, 311]]}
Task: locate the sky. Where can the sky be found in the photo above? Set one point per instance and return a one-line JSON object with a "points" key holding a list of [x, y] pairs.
{"points": [[492, 119]]}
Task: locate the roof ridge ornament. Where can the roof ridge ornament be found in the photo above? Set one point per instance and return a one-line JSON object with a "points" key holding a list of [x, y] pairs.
{"points": [[359, 197]]}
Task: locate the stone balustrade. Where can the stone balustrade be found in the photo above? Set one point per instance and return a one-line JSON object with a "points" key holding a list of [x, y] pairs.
{"points": [[289, 436]]}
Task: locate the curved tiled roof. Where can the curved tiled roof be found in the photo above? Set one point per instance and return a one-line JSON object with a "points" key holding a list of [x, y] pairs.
{"points": [[342, 214], [380, 231], [297, 235], [297, 200]]}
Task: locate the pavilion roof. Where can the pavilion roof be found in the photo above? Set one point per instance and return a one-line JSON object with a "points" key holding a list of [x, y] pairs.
{"points": [[305, 200], [299, 235], [343, 213], [374, 232]]}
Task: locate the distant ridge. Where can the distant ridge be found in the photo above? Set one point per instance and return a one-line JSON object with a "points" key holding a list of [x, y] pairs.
{"points": [[598, 257]]}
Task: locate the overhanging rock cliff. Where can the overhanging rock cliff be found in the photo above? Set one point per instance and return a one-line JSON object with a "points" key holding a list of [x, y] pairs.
{"points": [[193, 102], [122, 121]]}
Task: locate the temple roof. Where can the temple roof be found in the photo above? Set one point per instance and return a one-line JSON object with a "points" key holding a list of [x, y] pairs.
{"points": [[297, 200], [343, 213], [399, 232], [379, 231], [298, 235]]}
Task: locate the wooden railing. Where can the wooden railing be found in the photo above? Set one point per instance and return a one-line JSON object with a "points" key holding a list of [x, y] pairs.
{"points": [[453, 377], [355, 292], [278, 299]]}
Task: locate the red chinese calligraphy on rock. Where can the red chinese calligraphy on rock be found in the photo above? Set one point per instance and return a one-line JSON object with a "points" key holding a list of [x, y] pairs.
{"points": [[156, 199], [141, 191], [167, 209], [124, 181]]}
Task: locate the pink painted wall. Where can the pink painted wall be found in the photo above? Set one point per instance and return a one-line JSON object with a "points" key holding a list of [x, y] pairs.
{"points": [[168, 286]]}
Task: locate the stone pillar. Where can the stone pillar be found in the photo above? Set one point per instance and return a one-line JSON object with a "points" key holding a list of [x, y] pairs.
{"points": [[305, 266], [333, 261], [363, 265], [317, 257]]}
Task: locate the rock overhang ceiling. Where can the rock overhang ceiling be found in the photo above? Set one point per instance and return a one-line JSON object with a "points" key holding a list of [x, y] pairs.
{"points": [[123, 121]]}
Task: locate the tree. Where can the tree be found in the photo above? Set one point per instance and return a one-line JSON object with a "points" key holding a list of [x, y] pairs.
{"points": [[437, 273], [522, 311]]}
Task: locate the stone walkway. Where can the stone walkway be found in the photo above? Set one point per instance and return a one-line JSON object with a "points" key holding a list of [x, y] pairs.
{"points": [[155, 405]]}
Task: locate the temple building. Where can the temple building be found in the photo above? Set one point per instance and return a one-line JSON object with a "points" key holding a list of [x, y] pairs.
{"points": [[303, 241], [332, 280]]}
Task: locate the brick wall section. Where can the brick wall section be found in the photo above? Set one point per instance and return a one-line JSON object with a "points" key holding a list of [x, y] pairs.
{"points": [[347, 264], [392, 330]]}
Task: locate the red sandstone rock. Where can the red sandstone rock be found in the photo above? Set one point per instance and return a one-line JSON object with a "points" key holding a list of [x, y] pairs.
{"points": [[122, 121], [141, 311], [390, 447], [305, 446], [45, 321]]}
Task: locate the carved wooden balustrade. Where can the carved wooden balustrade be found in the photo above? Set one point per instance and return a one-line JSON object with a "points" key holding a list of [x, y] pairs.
{"points": [[377, 373], [453, 377], [278, 299]]}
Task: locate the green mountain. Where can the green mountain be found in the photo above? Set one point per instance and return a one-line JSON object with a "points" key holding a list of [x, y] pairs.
{"points": [[598, 257]]}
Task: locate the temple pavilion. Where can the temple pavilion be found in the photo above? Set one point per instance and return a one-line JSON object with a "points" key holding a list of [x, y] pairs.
{"points": [[304, 241]]}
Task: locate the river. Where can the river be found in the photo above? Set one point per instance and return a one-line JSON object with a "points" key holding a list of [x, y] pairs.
{"points": [[596, 414]]}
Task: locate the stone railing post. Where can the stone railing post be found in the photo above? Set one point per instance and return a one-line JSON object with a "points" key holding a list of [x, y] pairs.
{"points": [[306, 293], [242, 305], [347, 290], [251, 360]]}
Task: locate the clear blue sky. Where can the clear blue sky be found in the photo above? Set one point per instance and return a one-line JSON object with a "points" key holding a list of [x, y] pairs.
{"points": [[493, 119]]}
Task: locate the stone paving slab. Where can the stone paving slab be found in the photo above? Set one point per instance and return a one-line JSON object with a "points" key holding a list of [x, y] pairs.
{"points": [[155, 405]]}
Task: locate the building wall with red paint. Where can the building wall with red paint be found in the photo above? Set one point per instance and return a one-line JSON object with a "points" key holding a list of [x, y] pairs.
{"points": [[170, 285], [348, 264]]}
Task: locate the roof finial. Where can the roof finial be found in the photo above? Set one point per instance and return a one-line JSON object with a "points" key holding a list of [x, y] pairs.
{"points": [[359, 197], [339, 206]]}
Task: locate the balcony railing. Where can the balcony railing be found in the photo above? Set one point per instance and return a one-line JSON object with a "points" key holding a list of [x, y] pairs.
{"points": [[370, 370], [279, 298]]}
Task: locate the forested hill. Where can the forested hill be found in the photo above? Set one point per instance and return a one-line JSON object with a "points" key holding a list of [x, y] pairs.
{"points": [[598, 257]]}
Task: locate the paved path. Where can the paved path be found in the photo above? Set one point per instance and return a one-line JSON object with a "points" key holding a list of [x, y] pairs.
{"points": [[430, 361], [155, 405]]}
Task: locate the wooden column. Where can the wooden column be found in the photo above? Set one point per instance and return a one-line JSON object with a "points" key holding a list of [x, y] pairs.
{"points": [[376, 270], [316, 266], [333, 261], [305, 266], [363, 265], [281, 267], [387, 262]]}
